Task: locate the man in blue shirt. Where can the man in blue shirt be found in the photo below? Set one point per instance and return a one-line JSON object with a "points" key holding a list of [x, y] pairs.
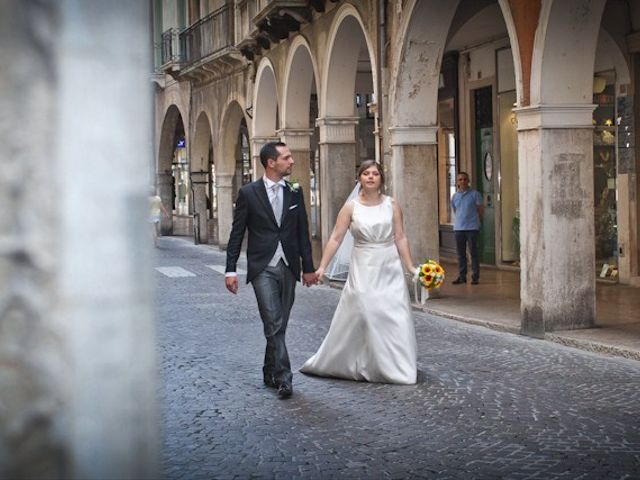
{"points": [[468, 209]]}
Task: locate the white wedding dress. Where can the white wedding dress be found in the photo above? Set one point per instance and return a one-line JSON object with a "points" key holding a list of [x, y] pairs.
{"points": [[372, 335]]}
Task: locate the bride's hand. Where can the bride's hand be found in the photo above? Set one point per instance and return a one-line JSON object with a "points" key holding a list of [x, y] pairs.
{"points": [[414, 271], [320, 274]]}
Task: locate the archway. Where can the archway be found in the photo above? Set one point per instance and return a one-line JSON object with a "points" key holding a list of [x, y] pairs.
{"points": [[556, 167], [265, 112], [477, 128], [224, 171], [299, 113], [200, 176], [172, 168], [347, 119]]}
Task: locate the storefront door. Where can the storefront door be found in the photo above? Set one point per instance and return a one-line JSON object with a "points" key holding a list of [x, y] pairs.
{"points": [[484, 164]]}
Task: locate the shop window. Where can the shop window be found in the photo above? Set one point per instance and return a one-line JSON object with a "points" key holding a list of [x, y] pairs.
{"points": [[447, 167], [180, 169], [604, 174]]}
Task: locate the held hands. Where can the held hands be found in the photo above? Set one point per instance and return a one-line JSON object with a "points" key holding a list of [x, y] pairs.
{"points": [[320, 274], [309, 279]]}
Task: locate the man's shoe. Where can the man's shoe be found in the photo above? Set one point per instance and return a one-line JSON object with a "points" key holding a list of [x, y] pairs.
{"points": [[459, 280], [285, 390], [474, 282], [270, 382]]}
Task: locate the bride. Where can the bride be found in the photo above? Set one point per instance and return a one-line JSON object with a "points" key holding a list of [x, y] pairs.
{"points": [[372, 336]]}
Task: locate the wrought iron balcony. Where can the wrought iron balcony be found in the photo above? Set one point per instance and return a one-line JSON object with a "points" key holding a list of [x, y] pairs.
{"points": [[208, 45], [208, 36]]}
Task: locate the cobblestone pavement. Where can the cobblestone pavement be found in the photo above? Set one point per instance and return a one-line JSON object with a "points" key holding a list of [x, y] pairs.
{"points": [[487, 405]]}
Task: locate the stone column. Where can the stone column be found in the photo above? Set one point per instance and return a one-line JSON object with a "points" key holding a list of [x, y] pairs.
{"points": [[77, 344], [164, 181], [414, 177], [298, 141], [226, 199], [199, 185], [35, 385], [337, 168], [256, 144], [557, 276]]}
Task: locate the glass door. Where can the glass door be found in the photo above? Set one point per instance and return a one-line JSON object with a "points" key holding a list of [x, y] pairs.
{"points": [[483, 132]]}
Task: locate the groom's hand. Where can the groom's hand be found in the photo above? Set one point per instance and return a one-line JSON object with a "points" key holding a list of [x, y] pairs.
{"points": [[309, 279], [232, 284]]}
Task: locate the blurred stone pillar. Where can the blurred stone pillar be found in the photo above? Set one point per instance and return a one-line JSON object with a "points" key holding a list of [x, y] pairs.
{"points": [[35, 346], [414, 177], [337, 168], [77, 343], [199, 185], [298, 141], [165, 190], [226, 199]]}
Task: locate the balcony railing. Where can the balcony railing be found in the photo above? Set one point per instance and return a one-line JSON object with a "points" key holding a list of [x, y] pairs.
{"points": [[247, 9], [170, 52], [208, 35]]}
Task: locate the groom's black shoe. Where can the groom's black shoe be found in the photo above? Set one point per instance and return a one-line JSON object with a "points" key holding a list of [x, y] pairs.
{"points": [[285, 390], [459, 280]]}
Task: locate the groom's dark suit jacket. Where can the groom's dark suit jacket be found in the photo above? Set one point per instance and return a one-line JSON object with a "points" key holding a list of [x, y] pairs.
{"points": [[253, 212]]}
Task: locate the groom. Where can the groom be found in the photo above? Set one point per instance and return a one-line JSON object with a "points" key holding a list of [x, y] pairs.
{"points": [[273, 212]]}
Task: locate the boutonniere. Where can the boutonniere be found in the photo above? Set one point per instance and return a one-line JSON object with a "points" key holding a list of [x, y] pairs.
{"points": [[294, 185]]}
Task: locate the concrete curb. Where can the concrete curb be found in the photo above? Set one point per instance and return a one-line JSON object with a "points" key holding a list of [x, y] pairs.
{"points": [[593, 346], [581, 344], [471, 321]]}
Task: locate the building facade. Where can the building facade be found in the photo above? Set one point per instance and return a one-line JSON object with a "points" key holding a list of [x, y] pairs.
{"points": [[534, 98]]}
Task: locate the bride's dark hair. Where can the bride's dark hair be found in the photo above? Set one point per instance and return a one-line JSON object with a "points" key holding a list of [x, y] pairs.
{"points": [[372, 163]]}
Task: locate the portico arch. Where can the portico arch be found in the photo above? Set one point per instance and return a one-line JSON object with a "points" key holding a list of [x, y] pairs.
{"points": [[448, 50], [225, 166], [556, 170], [413, 109], [300, 102], [172, 130], [199, 165], [265, 112], [346, 128]]}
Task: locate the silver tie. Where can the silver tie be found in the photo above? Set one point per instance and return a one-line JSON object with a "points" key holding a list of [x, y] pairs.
{"points": [[276, 203]]}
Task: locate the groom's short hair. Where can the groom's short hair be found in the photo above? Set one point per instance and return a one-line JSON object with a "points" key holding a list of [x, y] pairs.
{"points": [[270, 151]]}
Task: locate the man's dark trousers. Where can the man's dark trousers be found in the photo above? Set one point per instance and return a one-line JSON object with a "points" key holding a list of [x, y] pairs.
{"points": [[464, 237], [275, 291]]}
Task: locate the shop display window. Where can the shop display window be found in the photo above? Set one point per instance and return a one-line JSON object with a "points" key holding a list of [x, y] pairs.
{"points": [[446, 160], [604, 175]]}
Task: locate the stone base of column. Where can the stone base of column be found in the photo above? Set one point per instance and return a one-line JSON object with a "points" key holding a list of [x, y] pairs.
{"points": [[557, 230], [226, 198], [199, 184], [337, 179], [165, 190], [415, 186]]}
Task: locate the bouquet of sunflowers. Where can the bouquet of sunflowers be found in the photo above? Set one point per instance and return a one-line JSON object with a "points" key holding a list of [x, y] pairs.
{"points": [[429, 275]]}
